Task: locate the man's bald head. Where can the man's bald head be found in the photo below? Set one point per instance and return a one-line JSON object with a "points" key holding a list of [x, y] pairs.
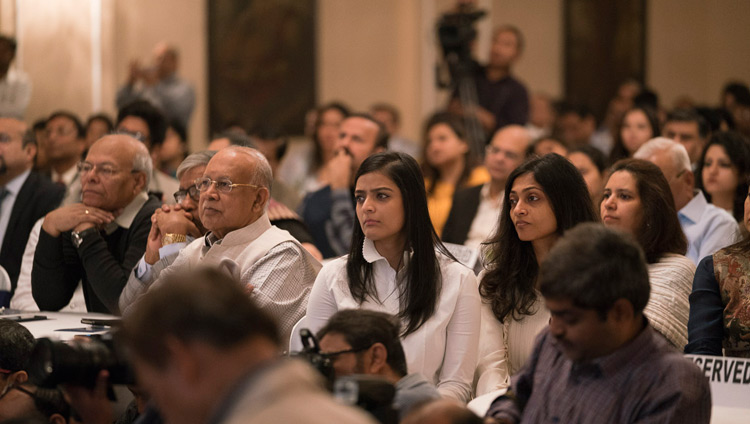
{"points": [[119, 168], [250, 175], [506, 152]]}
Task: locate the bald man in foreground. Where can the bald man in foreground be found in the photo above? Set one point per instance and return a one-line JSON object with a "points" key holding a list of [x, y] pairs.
{"points": [[275, 269], [475, 210], [99, 240]]}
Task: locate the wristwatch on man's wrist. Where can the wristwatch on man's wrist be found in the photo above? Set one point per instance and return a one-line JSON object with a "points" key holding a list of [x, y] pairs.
{"points": [[77, 237], [170, 238]]}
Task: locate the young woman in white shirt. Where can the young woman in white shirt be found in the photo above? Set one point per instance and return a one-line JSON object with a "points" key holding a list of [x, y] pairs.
{"points": [[543, 197], [398, 265]]}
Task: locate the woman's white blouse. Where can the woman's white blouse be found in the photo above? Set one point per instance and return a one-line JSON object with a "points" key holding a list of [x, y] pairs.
{"points": [[444, 349], [504, 347]]}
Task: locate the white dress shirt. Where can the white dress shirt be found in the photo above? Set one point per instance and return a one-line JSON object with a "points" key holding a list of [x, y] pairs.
{"points": [[486, 219], [443, 349]]}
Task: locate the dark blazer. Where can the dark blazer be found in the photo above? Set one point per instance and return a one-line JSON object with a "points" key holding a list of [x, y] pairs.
{"points": [[37, 197], [463, 211]]}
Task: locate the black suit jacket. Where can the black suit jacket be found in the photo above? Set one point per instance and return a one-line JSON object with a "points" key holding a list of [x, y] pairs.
{"points": [[37, 197], [463, 211]]}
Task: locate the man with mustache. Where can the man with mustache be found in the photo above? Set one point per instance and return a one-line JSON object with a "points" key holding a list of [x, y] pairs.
{"points": [[329, 212]]}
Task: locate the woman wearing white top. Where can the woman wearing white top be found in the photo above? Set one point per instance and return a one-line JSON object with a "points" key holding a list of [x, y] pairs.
{"points": [[543, 198], [638, 200], [398, 265]]}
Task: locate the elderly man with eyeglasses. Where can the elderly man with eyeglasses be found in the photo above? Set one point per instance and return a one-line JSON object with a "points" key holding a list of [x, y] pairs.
{"points": [[234, 192], [99, 240]]}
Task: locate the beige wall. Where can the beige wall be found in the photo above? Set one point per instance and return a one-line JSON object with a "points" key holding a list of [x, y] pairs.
{"points": [[541, 65], [140, 24], [59, 70], [58, 41], [368, 51], [696, 46]]}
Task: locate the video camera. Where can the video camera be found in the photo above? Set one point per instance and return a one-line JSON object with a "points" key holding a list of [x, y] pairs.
{"points": [[455, 32]]}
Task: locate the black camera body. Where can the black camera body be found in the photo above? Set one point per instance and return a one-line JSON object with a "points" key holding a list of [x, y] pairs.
{"points": [[78, 363], [456, 32], [371, 393]]}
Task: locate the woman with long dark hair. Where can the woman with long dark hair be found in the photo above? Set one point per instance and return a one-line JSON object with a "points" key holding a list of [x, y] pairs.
{"points": [[398, 265], [637, 199], [543, 198], [719, 307], [723, 169]]}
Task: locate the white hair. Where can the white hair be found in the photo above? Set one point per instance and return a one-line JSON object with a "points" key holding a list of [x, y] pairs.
{"points": [[142, 163], [676, 151]]}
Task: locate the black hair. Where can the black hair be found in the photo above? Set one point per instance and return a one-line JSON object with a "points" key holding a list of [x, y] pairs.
{"points": [[16, 344], [199, 305], [154, 118], [236, 138], [39, 124], [647, 98], [264, 132], [11, 42], [180, 128], [419, 295], [619, 151], [594, 266], [362, 328], [595, 155], [690, 115], [738, 150], [508, 284], [103, 117], [337, 106], [80, 129]]}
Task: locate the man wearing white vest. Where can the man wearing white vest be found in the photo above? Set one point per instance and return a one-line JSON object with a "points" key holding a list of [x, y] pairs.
{"points": [[276, 270]]}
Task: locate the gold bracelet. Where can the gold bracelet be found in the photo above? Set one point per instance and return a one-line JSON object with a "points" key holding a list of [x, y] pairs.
{"points": [[170, 238]]}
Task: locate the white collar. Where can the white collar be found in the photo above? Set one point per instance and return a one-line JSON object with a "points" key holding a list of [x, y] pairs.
{"points": [[67, 177], [125, 219], [371, 254]]}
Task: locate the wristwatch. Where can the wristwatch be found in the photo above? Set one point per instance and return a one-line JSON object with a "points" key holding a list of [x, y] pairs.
{"points": [[170, 238], [77, 236]]}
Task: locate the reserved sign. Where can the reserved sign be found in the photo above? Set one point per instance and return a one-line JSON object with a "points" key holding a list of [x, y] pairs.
{"points": [[729, 379]]}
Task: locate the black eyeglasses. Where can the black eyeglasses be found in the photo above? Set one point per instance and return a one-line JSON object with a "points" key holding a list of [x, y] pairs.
{"points": [[191, 191], [334, 355]]}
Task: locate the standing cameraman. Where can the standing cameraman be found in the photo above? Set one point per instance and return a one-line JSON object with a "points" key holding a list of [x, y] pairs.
{"points": [[501, 99]]}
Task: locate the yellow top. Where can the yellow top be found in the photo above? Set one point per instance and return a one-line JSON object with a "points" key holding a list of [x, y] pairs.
{"points": [[440, 201]]}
